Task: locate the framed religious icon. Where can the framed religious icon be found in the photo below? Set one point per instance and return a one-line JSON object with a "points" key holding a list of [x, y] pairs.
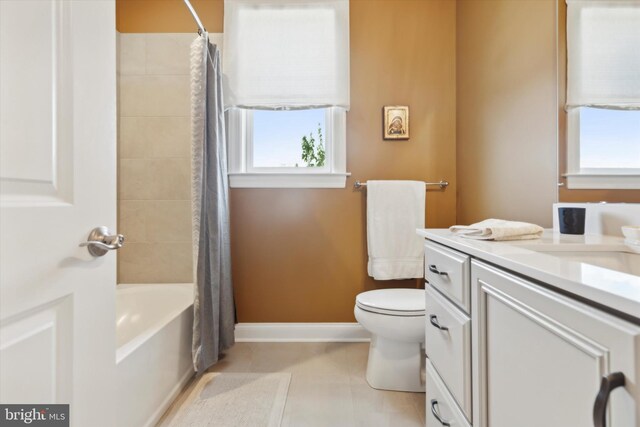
{"points": [[396, 122]]}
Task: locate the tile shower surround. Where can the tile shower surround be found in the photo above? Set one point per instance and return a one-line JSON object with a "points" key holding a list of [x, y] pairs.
{"points": [[154, 164]]}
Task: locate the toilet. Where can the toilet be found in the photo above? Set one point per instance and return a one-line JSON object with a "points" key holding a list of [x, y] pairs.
{"points": [[396, 320]]}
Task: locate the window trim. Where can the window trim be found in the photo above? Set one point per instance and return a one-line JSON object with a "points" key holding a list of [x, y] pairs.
{"points": [[591, 178], [242, 174]]}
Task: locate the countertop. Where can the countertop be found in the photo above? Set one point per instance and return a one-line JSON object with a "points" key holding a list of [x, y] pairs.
{"points": [[609, 289]]}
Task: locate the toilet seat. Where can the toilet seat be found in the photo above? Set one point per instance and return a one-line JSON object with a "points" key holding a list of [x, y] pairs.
{"points": [[393, 302]]}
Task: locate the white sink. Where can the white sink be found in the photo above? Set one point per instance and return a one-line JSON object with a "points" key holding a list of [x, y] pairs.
{"points": [[624, 262]]}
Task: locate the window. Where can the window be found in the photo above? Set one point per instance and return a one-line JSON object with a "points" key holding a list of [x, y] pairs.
{"points": [[294, 148], [286, 72], [603, 94], [609, 139], [604, 148], [288, 139]]}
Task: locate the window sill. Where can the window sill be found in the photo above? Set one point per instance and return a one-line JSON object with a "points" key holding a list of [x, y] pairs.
{"points": [[288, 180], [602, 181]]}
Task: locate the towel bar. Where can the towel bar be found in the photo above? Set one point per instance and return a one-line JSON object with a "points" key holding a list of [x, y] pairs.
{"points": [[442, 184]]}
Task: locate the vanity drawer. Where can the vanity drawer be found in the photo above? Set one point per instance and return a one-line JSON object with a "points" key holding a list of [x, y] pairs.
{"points": [[449, 271], [448, 345], [442, 410]]}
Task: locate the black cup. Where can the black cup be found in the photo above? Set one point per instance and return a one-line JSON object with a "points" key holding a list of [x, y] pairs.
{"points": [[571, 220]]}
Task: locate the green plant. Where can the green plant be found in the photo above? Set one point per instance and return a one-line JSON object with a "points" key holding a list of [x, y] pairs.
{"points": [[312, 155]]}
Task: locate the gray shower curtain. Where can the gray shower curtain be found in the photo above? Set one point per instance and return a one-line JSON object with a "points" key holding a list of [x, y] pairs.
{"points": [[214, 312]]}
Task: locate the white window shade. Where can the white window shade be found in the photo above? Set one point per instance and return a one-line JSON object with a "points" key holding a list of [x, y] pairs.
{"points": [[286, 53], [603, 48]]}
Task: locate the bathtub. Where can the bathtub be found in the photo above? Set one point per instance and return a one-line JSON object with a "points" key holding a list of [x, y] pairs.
{"points": [[153, 354]]}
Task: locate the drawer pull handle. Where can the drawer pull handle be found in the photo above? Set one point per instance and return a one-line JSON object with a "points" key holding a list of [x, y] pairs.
{"points": [[434, 269], [436, 413], [434, 321], [607, 385]]}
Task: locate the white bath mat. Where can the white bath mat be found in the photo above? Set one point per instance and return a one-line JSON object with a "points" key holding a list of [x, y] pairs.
{"points": [[222, 399]]}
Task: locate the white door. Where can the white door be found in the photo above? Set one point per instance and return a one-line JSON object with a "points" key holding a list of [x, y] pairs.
{"points": [[541, 357], [57, 182]]}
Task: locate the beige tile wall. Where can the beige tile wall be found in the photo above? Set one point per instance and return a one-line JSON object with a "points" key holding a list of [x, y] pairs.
{"points": [[154, 151]]}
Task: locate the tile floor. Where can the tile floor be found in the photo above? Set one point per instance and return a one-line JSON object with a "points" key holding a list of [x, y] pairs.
{"points": [[328, 386]]}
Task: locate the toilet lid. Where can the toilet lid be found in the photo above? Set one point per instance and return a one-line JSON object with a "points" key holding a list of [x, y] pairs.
{"points": [[396, 302]]}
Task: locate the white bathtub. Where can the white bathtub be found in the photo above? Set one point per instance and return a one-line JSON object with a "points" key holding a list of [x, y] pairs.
{"points": [[153, 356]]}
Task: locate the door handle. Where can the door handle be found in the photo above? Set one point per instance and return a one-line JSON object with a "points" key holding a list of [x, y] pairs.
{"points": [[434, 269], [101, 241], [434, 321], [607, 385], [436, 413]]}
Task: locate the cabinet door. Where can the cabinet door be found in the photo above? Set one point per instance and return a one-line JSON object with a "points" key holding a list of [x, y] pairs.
{"points": [[540, 356]]}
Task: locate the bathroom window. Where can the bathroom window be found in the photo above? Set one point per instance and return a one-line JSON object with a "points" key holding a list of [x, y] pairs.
{"points": [[286, 72], [288, 139], [608, 141], [287, 148], [603, 94], [604, 148]]}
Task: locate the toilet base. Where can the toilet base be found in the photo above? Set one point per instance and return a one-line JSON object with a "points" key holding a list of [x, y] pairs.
{"points": [[395, 365]]}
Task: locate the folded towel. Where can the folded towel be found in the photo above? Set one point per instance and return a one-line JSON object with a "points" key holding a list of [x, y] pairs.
{"points": [[395, 209], [498, 229]]}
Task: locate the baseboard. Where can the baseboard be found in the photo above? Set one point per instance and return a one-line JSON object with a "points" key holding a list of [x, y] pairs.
{"points": [[173, 395], [301, 332]]}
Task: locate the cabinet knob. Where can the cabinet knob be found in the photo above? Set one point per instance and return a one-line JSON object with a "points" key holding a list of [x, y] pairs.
{"points": [[607, 385], [436, 413]]}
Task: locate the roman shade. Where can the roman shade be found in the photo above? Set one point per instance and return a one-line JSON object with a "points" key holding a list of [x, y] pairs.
{"points": [[603, 48], [286, 54]]}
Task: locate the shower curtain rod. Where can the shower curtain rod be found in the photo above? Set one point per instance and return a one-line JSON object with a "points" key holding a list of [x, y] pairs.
{"points": [[201, 28]]}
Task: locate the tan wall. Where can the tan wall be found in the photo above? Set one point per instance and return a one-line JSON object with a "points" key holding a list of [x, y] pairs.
{"points": [[154, 152], [506, 110], [300, 255], [167, 16], [567, 195]]}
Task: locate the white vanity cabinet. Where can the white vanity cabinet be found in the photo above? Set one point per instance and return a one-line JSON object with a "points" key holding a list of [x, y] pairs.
{"points": [[535, 357], [539, 357]]}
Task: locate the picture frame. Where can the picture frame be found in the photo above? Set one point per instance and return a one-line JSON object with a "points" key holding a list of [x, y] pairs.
{"points": [[395, 122]]}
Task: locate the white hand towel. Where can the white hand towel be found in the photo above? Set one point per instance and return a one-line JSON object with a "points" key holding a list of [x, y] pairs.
{"points": [[498, 229], [395, 209]]}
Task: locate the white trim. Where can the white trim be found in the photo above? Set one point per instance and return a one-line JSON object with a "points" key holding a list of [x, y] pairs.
{"points": [[573, 141], [236, 132], [338, 137], [243, 175], [247, 142], [301, 332], [288, 180], [173, 394], [603, 181]]}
